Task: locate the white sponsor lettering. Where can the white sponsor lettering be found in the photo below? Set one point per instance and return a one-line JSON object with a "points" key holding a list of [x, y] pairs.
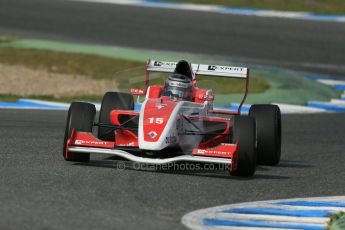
{"points": [[163, 63], [203, 151], [225, 68], [179, 84], [156, 120], [127, 145], [78, 142], [83, 142]]}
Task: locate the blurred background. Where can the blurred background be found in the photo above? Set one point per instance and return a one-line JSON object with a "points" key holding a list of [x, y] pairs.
{"points": [[65, 50]]}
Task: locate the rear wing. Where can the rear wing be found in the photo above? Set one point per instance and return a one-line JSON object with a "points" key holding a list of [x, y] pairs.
{"points": [[200, 69]]}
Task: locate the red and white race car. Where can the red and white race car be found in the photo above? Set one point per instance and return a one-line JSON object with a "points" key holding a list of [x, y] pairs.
{"points": [[176, 123]]}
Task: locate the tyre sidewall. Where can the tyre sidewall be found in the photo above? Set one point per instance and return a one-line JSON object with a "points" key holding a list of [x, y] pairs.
{"points": [[80, 117], [268, 123], [112, 101], [244, 134]]}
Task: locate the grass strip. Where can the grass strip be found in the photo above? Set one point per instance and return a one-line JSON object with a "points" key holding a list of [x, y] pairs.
{"points": [[127, 73], [93, 66], [284, 86]]}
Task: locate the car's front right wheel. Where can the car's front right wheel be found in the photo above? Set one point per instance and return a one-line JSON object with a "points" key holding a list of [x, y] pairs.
{"points": [[244, 134]]}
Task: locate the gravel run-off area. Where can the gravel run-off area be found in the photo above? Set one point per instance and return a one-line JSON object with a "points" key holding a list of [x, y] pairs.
{"points": [[22, 81]]}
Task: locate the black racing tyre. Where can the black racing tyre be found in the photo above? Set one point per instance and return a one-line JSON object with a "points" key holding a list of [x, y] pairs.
{"points": [[112, 101], [268, 125], [80, 117], [244, 134]]}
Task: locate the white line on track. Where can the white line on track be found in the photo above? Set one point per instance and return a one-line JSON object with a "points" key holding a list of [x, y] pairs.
{"points": [[290, 207], [238, 216], [243, 228], [331, 82], [338, 102]]}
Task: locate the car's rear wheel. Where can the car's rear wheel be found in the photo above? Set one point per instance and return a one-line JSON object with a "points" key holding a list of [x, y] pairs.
{"points": [[268, 124], [244, 134], [80, 118], [112, 101]]}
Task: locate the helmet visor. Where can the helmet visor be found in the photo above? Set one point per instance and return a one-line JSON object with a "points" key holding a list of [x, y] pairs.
{"points": [[175, 92]]}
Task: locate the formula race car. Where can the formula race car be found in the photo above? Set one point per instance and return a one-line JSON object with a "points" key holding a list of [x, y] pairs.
{"points": [[176, 123]]}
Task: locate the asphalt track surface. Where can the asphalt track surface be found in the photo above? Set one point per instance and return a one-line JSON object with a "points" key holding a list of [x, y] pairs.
{"points": [[305, 45], [39, 190]]}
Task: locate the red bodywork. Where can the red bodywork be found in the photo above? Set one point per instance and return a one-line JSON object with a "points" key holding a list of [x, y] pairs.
{"points": [[216, 146], [156, 118], [157, 112]]}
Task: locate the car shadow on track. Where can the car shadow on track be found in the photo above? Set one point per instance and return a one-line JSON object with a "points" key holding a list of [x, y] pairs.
{"points": [[192, 171], [285, 164], [294, 164]]}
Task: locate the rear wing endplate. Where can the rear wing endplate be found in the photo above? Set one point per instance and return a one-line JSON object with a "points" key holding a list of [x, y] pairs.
{"points": [[200, 69]]}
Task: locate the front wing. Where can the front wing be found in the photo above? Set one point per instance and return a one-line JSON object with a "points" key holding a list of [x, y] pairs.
{"points": [[83, 142]]}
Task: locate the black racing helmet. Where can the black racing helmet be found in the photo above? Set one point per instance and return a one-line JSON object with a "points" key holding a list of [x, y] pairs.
{"points": [[179, 86]]}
